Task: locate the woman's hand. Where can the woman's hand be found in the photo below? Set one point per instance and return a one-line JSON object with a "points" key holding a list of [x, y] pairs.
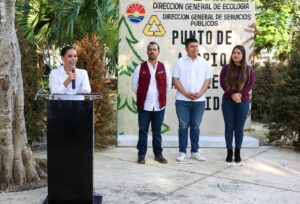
{"points": [[71, 76], [237, 97]]}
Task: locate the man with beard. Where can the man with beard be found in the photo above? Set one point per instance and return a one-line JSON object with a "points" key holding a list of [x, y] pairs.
{"points": [[151, 81]]}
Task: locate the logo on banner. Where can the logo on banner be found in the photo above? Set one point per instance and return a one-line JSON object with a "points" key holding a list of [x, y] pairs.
{"points": [[154, 27], [135, 13]]}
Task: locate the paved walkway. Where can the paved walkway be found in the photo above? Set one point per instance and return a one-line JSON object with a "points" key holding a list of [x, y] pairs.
{"points": [[269, 175]]}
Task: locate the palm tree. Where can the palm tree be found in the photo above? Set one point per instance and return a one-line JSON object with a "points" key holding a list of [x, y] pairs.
{"points": [[51, 22]]}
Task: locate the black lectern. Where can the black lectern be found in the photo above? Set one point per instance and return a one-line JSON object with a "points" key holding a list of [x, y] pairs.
{"points": [[70, 146]]}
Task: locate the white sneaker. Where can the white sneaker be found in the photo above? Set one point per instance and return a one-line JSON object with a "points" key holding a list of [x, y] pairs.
{"points": [[180, 157], [197, 156]]}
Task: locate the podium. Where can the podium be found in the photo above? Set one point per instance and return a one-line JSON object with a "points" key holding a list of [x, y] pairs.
{"points": [[70, 146]]}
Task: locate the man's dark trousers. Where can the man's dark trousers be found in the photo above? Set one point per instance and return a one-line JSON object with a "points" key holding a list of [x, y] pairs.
{"points": [[144, 118]]}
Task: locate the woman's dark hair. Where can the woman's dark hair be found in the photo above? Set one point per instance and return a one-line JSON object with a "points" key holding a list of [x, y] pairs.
{"points": [[65, 49], [243, 78]]}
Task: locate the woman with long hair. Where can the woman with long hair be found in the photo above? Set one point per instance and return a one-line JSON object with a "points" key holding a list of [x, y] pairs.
{"points": [[237, 80]]}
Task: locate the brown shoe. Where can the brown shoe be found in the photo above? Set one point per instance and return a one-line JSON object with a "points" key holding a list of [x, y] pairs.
{"points": [[141, 160], [161, 159]]}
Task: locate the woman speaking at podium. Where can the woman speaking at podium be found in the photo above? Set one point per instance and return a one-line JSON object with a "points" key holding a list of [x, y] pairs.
{"points": [[67, 79]]}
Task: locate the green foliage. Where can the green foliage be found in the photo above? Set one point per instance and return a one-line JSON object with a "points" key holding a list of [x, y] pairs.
{"points": [[34, 18], [276, 98], [49, 23], [275, 25], [266, 78], [58, 22], [280, 106], [285, 116], [109, 34]]}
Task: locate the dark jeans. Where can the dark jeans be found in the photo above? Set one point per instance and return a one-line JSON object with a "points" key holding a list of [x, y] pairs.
{"points": [[235, 115], [144, 118], [189, 115]]}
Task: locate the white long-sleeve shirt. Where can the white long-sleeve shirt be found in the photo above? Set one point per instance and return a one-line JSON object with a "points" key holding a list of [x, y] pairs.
{"points": [[151, 102], [56, 83]]}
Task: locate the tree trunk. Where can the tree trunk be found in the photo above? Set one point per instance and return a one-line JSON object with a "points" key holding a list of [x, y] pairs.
{"points": [[16, 161]]}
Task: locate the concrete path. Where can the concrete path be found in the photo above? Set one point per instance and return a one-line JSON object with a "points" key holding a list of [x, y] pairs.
{"points": [[269, 175]]}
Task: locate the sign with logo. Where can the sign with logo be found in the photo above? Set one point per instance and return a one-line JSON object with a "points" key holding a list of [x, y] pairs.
{"points": [[218, 27], [154, 27], [135, 13]]}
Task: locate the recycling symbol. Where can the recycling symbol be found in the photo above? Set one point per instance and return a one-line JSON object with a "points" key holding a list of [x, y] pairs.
{"points": [[154, 27]]}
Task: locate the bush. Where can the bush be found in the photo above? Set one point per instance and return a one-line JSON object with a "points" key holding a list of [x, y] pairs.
{"points": [[285, 115], [276, 99], [90, 56], [266, 78]]}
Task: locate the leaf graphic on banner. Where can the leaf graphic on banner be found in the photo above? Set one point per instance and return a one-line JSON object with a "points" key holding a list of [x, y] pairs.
{"points": [[128, 40], [124, 103], [127, 66], [126, 69], [165, 128]]}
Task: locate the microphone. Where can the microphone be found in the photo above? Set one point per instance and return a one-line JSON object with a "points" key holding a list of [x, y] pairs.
{"points": [[73, 81]]}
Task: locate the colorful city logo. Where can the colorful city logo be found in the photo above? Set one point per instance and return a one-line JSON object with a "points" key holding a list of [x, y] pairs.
{"points": [[135, 13]]}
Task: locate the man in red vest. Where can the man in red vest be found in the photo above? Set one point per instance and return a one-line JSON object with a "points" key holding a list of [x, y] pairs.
{"points": [[151, 81]]}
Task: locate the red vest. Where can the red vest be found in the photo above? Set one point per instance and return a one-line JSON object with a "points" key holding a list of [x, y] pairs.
{"points": [[144, 82]]}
